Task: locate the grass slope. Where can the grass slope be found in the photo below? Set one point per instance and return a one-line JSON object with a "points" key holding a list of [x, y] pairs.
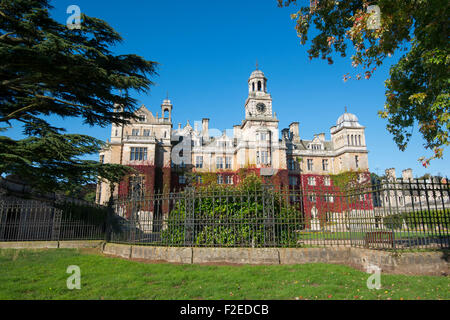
{"points": [[41, 274]]}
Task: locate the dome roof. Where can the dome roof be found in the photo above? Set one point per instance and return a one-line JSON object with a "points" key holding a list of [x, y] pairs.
{"points": [[347, 120], [257, 74]]}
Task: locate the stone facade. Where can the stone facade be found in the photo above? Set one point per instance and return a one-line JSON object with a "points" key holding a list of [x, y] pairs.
{"points": [[163, 155], [412, 194]]}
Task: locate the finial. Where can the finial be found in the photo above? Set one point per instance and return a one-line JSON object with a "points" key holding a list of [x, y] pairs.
{"points": [[345, 109], [256, 64], [167, 95]]}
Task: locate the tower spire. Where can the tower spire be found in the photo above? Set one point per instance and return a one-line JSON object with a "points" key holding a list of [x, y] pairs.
{"points": [[257, 64]]}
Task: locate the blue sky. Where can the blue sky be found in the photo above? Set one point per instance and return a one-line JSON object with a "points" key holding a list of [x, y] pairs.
{"points": [[207, 50]]}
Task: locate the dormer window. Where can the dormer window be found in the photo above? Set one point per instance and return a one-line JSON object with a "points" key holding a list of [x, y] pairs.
{"points": [[141, 118], [315, 146]]}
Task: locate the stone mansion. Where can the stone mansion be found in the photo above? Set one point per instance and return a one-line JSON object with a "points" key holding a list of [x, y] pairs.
{"points": [[163, 155]]}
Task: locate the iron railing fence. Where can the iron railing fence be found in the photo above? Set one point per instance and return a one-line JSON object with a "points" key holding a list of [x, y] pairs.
{"points": [[385, 215], [34, 220]]}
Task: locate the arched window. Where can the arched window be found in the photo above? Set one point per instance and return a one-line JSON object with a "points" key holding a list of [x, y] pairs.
{"points": [[352, 141], [259, 85], [348, 140], [253, 86], [166, 113], [359, 139]]}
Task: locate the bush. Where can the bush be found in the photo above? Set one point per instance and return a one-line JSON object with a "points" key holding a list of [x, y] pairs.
{"points": [[230, 217], [419, 219]]}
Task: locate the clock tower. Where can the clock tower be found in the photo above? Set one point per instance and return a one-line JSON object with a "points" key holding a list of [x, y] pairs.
{"points": [[259, 103]]}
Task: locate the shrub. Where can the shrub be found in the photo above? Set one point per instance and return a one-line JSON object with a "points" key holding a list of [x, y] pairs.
{"points": [[223, 216], [419, 219]]}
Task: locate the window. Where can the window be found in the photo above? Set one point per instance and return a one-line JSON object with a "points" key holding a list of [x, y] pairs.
{"points": [[357, 161], [253, 86], [182, 179], [136, 184], [141, 118], [312, 197], [329, 198], [220, 179], [315, 146], [325, 164], [138, 154], [222, 144], [259, 85], [228, 163], [199, 161], [264, 157], [291, 164], [327, 181], [219, 163], [146, 132], [117, 132], [348, 140], [263, 136], [359, 140], [102, 159], [257, 157], [310, 164], [292, 181], [228, 179], [135, 132], [312, 181]]}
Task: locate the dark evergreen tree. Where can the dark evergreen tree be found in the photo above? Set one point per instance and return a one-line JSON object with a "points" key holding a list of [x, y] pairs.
{"points": [[48, 69]]}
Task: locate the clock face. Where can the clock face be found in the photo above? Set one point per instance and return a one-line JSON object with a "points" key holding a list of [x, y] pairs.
{"points": [[261, 107]]}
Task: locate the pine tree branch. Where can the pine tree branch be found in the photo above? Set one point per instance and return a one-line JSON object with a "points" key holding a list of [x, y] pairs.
{"points": [[11, 115], [3, 36]]}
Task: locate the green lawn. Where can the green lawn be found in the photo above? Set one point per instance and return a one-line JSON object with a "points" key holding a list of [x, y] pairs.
{"points": [[41, 274]]}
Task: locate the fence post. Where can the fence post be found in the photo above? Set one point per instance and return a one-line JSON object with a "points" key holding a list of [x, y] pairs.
{"points": [[57, 215], [268, 214], [109, 216], [189, 216]]}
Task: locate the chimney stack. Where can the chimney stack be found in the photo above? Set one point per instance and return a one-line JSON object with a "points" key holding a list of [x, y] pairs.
{"points": [[321, 136], [407, 174], [390, 173], [205, 127], [293, 129]]}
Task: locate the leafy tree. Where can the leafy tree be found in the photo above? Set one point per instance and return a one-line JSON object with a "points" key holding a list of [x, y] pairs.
{"points": [[49, 69], [417, 90]]}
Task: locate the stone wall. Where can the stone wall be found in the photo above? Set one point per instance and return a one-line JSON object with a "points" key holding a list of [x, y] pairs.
{"points": [[427, 263]]}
